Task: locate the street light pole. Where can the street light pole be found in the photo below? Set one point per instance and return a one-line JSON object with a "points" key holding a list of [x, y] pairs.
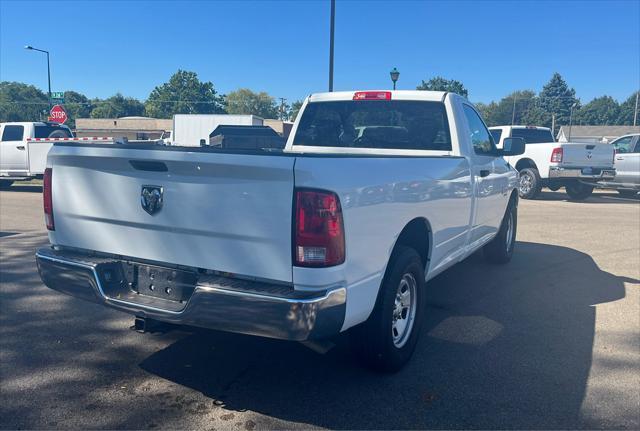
{"points": [[571, 120], [331, 32], [31, 48]]}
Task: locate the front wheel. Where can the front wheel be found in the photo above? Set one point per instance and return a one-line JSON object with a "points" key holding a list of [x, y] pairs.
{"points": [[578, 191], [386, 341], [500, 249]]}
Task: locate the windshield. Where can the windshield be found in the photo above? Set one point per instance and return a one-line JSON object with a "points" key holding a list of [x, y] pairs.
{"points": [[396, 124], [533, 136], [51, 132]]}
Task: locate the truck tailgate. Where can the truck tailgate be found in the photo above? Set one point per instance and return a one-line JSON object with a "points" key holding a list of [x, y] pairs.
{"points": [[582, 154], [226, 212]]}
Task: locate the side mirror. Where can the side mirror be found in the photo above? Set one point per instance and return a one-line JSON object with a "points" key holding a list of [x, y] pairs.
{"points": [[512, 147]]}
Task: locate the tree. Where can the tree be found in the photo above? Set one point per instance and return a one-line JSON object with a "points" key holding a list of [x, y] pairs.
{"points": [[513, 108], [441, 84], [22, 102], [184, 94], [555, 98], [117, 106], [77, 105], [295, 108], [626, 112], [601, 111], [245, 101]]}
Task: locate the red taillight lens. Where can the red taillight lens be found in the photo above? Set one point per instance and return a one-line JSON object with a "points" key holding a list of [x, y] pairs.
{"points": [[556, 155], [372, 95], [47, 198], [319, 229]]}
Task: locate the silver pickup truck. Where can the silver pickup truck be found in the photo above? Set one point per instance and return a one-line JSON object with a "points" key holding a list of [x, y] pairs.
{"points": [[375, 193]]}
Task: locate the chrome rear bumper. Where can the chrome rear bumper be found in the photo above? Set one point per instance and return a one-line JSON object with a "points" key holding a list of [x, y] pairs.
{"points": [[219, 303], [580, 173]]}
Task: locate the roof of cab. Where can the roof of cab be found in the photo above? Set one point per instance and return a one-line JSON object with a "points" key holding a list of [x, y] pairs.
{"points": [[431, 96]]}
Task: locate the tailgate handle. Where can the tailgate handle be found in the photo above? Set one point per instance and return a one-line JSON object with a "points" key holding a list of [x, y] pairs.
{"points": [[148, 165], [590, 147]]}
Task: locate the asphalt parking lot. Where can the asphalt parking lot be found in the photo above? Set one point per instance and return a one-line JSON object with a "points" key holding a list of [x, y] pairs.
{"points": [[551, 340]]}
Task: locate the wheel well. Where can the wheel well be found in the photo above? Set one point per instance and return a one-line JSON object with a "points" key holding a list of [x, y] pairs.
{"points": [[525, 163], [417, 235]]}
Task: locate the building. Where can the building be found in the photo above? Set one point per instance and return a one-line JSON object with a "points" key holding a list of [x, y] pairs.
{"points": [[129, 127], [283, 128], [595, 134]]}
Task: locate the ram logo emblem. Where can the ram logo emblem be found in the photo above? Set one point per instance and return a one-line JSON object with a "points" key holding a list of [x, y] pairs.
{"points": [[151, 199]]}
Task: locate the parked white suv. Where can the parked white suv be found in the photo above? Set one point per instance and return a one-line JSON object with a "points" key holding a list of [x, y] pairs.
{"points": [[545, 163], [375, 193]]}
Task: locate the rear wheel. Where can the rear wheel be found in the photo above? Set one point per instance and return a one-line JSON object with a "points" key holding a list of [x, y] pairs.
{"points": [[530, 183], [578, 191], [500, 249], [386, 341]]}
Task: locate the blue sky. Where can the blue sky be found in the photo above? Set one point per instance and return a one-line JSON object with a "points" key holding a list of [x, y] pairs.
{"points": [[100, 48]]}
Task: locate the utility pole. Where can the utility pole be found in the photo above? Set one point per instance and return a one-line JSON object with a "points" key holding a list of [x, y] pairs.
{"points": [[331, 33], [553, 124], [513, 113], [282, 105], [635, 113]]}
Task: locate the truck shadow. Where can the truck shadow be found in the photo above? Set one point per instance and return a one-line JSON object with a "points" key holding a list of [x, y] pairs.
{"points": [[600, 197], [502, 347]]}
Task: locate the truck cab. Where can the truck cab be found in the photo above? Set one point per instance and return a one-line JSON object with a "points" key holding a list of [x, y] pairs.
{"points": [[22, 154]]}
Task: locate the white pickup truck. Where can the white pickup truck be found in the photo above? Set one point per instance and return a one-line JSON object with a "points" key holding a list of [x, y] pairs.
{"points": [[24, 147], [375, 193], [545, 163]]}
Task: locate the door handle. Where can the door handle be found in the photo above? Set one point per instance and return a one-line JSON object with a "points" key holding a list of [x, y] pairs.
{"points": [[485, 173], [20, 147], [619, 158]]}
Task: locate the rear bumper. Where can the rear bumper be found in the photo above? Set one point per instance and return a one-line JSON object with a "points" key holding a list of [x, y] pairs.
{"points": [[248, 307], [581, 173]]}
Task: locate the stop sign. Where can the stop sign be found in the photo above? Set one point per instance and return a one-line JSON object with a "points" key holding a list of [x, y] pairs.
{"points": [[58, 114]]}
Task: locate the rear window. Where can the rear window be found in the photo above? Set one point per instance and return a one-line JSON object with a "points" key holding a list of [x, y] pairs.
{"points": [[533, 136], [395, 124], [496, 135], [51, 132]]}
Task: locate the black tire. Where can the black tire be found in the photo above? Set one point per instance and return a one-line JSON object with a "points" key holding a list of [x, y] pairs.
{"points": [[530, 183], [628, 193], [374, 342], [500, 249], [578, 191], [5, 183]]}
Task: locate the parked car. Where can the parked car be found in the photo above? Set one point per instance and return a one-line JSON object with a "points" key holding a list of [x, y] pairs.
{"points": [[297, 244], [627, 164], [545, 163]]}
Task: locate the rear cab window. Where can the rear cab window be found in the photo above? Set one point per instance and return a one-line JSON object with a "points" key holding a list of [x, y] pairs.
{"points": [[394, 124], [49, 131], [12, 133], [533, 136]]}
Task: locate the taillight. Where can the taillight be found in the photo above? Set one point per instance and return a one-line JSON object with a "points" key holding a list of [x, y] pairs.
{"points": [[372, 95], [47, 198], [556, 155], [319, 229]]}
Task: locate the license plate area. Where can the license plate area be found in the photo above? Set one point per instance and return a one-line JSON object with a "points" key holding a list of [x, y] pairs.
{"points": [[166, 283]]}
